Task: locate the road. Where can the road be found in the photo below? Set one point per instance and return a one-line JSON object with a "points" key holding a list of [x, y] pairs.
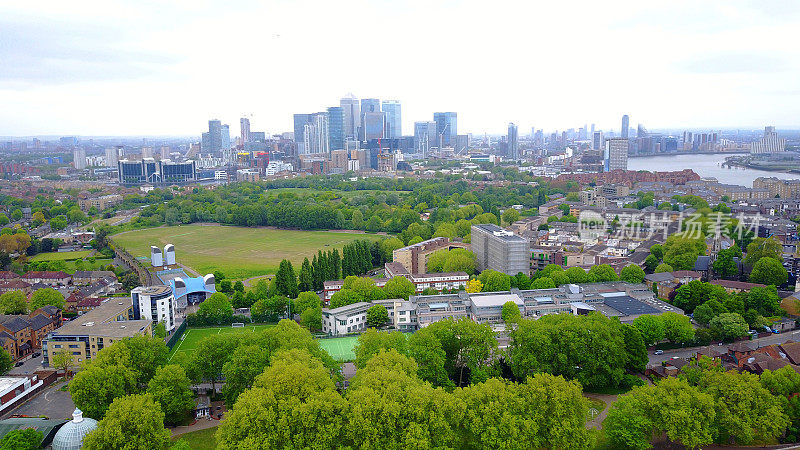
{"points": [[29, 366], [687, 352]]}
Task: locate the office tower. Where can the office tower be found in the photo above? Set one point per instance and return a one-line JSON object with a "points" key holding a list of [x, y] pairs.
{"points": [[597, 140], [147, 152], [394, 126], [336, 128], [244, 124], [770, 143], [625, 122], [591, 133], [372, 125], [79, 158], [641, 131], [217, 139], [371, 106], [615, 155], [446, 128], [316, 135], [424, 136], [513, 141], [300, 121], [352, 116], [500, 250]]}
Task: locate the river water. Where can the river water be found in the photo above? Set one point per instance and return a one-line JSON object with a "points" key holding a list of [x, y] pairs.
{"points": [[705, 166]]}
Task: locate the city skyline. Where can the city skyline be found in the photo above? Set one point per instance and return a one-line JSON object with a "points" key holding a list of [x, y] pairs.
{"points": [[144, 68]]}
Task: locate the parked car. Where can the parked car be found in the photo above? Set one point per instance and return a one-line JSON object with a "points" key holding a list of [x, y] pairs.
{"points": [[658, 352], [37, 354], [19, 363]]}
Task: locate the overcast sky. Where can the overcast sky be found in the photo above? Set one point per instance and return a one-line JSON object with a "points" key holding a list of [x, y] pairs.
{"points": [[164, 68]]}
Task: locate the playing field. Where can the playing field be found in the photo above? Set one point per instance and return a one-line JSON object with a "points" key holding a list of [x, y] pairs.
{"points": [[341, 349], [60, 256], [193, 336], [238, 252]]}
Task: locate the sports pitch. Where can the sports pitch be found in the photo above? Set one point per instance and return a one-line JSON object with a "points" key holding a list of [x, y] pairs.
{"points": [[193, 336], [238, 252], [341, 349]]}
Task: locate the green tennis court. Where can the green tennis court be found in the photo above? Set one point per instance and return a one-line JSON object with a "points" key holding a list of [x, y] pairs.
{"points": [[341, 349], [193, 336]]}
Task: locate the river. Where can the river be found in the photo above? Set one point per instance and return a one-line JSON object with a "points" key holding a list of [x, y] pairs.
{"points": [[705, 166]]}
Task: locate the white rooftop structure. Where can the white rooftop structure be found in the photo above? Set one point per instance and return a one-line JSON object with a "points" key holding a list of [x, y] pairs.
{"points": [[493, 300], [70, 435]]}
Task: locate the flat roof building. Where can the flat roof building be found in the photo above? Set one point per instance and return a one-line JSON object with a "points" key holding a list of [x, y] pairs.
{"points": [[500, 250]]}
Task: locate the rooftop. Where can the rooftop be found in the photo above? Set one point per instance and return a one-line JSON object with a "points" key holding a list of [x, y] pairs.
{"points": [[488, 301], [102, 321], [629, 306]]}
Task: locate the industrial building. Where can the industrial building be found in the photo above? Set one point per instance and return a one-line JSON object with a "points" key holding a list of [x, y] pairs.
{"points": [[500, 250]]}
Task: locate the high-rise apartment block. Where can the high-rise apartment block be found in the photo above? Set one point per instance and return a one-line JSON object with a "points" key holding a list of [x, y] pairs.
{"points": [[770, 143], [79, 158], [513, 141], [217, 139], [500, 250], [615, 155], [244, 125], [597, 140]]}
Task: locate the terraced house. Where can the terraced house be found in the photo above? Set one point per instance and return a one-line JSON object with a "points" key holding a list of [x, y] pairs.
{"points": [[21, 335]]}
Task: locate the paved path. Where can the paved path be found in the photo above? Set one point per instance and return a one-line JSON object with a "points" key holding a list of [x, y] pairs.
{"points": [[597, 422], [246, 282], [201, 424]]}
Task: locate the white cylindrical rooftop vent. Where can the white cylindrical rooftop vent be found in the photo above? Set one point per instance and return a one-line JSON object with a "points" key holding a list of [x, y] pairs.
{"points": [[169, 254], [156, 257]]}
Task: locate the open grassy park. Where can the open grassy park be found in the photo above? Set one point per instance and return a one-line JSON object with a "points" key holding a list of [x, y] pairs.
{"points": [[238, 252]]}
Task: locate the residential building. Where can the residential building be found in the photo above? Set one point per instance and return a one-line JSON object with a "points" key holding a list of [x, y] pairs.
{"points": [[425, 137], [244, 126], [415, 257], [625, 126], [113, 155], [79, 158], [513, 141], [250, 175], [770, 143], [154, 303], [21, 334], [89, 333], [615, 156], [500, 250], [218, 138], [50, 278], [100, 203]]}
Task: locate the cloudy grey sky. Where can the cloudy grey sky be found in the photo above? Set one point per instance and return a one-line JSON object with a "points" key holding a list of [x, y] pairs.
{"points": [[156, 67]]}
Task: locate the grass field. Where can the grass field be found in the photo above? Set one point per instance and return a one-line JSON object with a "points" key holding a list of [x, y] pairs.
{"points": [[238, 252], [341, 349], [200, 439], [60, 256], [193, 336]]}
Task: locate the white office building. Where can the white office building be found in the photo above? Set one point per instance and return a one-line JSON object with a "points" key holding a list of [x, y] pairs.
{"points": [[154, 303]]}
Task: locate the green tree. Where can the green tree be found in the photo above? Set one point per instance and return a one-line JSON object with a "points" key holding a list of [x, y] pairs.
{"points": [[695, 293], [707, 311], [306, 278], [724, 264], [635, 349], [510, 312], [456, 260], [345, 297], [13, 302], [681, 252], [729, 326], [494, 281], [658, 251], [46, 296], [311, 318], [768, 271], [650, 263], [543, 283], [377, 316], [206, 362], [510, 215], [160, 331], [372, 341], [632, 274], [246, 363], [61, 360], [132, 422], [6, 363], [387, 246], [603, 272], [286, 280], [763, 248], [171, 388], [677, 327], [22, 439], [663, 268], [238, 286], [94, 388], [399, 287], [216, 309], [577, 275], [651, 327], [270, 309], [306, 300]]}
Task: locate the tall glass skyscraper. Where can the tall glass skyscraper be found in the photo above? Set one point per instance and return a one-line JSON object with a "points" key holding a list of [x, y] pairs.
{"points": [[424, 137], [513, 141], [625, 123], [446, 128], [352, 116], [336, 128], [369, 106], [394, 126], [217, 139], [300, 121]]}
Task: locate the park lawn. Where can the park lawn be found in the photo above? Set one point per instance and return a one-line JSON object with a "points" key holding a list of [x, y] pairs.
{"points": [[238, 252], [340, 349], [193, 336], [61, 256], [200, 439]]}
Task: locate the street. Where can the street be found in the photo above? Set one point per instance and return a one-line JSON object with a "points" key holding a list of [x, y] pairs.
{"points": [[687, 352], [28, 367]]}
